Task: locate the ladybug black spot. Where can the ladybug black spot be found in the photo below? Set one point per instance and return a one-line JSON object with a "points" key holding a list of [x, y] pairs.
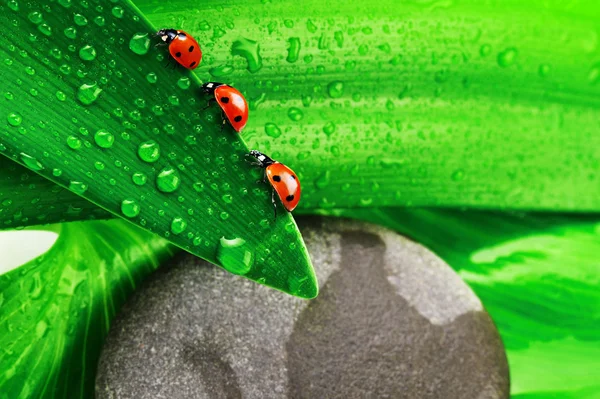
{"points": [[224, 100], [289, 198], [276, 178], [178, 54], [293, 177], [192, 64], [237, 118], [191, 49]]}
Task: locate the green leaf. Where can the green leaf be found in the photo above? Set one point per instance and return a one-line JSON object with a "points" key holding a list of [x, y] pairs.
{"points": [[538, 277], [88, 101], [55, 311], [421, 103]]}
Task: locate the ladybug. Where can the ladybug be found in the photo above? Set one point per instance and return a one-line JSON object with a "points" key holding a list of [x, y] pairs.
{"points": [[231, 101], [183, 47], [283, 179]]}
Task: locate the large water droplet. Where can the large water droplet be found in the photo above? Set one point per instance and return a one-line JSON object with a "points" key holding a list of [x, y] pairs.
{"points": [[272, 130], [31, 162], [130, 208], [78, 187], [139, 179], [178, 226], [14, 119], [235, 255], [140, 43], [294, 49], [149, 151], [295, 114], [250, 50], [507, 57], [104, 139], [335, 89], [87, 53], [168, 180], [88, 93]]}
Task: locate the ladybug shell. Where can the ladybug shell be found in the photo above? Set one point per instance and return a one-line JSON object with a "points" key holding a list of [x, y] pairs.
{"points": [[286, 184], [185, 50], [234, 105]]}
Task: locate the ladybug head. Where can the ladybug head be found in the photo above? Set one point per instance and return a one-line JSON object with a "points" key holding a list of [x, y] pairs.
{"points": [[167, 35], [262, 158]]}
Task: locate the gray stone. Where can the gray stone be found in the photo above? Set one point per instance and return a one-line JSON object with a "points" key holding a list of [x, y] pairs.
{"points": [[392, 321]]}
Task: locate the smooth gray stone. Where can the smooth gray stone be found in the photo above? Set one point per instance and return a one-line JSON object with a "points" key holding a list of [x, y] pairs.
{"points": [[392, 321]]}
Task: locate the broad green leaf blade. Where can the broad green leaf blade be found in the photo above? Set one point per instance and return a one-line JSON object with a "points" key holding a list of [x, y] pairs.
{"points": [[490, 104], [536, 274], [90, 103], [56, 310]]}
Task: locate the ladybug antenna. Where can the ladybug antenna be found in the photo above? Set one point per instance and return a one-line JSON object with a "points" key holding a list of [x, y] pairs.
{"points": [[262, 158]]}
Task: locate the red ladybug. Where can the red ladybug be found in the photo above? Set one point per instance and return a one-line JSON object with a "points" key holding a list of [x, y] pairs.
{"points": [[283, 179], [231, 101], [184, 48]]}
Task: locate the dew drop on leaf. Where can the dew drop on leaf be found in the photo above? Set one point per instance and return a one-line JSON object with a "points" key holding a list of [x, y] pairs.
{"points": [[87, 53], [31, 162], [104, 139], [235, 255], [168, 180], [184, 83], [250, 50], [139, 179], [88, 93], [78, 187], [140, 43], [73, 142], [295, 114], [118, 12], [178, 226], [80, 20], [335, 89], [272, 130], [130, 208], [293, 49], [149, 151], [507, 57], [14, 119], [36, 17]]}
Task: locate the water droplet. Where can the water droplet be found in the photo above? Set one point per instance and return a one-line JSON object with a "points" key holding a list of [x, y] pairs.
{"points": [[184, 83], [224, 215], [458, 175], [57, 172], [99, 20], [272, 130], [139, 179], [250, 50], [335, 89], [310, 26], [61, 96], [235, 255], [594, 74], [168, 180], [294, 49], [80, 20], [323, 180], [140, 43], [104, 139], [78, 187], [198, 187], [151, 77], [87, 53], [35, 17], [74, 142], [14, 119], [45, 29], [295, 114], [70, 32], [130, 208], [88, 93], [543, 70], [485, 50], [178, 225], [13, 5], [227, 198], [507, 57], [221, 70], [99, 165], [31, 162], [329, 128], [118, 12], [149, 151]]}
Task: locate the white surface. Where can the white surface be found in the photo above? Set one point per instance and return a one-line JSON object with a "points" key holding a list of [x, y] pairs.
{"points": [[19, 247]]}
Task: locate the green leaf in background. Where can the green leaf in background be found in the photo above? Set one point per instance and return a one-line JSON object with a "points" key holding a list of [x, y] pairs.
{"points": [[56, 310], [538, 277], [90, 105]]}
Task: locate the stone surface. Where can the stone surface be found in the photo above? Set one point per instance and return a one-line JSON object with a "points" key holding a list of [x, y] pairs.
{"points": [[392, 321]]}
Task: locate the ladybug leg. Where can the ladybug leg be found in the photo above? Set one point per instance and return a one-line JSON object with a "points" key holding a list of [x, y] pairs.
{"points": [[209, 103], [224, 120], [274, 203]]}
